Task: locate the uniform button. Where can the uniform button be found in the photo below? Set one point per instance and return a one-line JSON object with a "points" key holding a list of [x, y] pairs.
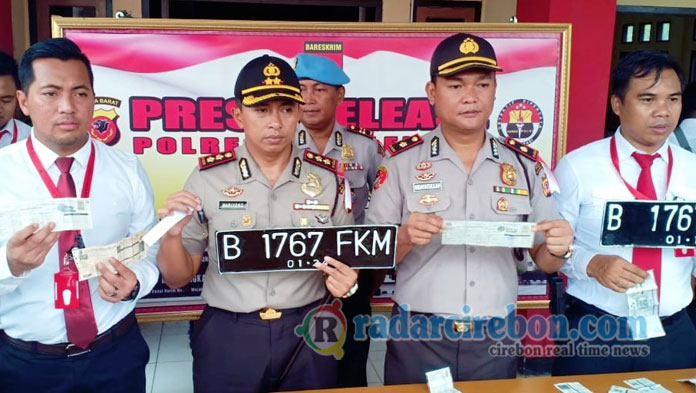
{"points": [[273, 293], [470, 182], [274, 197], [471, 216], [472, 283], [472, 249]]}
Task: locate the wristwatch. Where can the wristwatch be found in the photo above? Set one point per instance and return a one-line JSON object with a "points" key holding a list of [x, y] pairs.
{"points": [[133, 294], [568, 253], [351, 291]]}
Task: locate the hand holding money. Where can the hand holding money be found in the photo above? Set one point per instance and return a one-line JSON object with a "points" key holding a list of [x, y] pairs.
{"points": [[182, 201], [419, 229], [127, 252], [615, 272], [113, 287], [559, 235], [27, 249]]}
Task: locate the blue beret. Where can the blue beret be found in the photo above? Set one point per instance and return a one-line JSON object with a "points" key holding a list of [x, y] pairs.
{"points": [[320, 69]]}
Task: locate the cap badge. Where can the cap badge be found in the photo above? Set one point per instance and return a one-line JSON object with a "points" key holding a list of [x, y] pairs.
{"points": [[271, 71], [468, 46]]}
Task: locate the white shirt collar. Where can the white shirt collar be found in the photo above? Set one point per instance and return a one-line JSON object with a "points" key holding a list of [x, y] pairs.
{"points": [[9, 126], [48, 156], [688, 123], [625, 149]]}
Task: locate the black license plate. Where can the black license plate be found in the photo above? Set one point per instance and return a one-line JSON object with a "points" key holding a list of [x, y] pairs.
{"points": [[297, 249], [649, 224]]}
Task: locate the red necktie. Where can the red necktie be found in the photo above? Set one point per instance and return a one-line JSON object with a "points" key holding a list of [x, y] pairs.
{"points": [[647, 258], [79, 322]]}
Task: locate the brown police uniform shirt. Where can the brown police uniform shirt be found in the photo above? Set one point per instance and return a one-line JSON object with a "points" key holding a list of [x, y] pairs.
{"points": [[361, 153], [430, 178], [258, 206]]}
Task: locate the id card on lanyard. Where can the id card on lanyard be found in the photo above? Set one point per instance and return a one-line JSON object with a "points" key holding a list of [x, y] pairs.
{"points": [[67, 279]]}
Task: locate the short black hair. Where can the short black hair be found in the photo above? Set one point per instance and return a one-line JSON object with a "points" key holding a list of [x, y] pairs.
{"points": [[689, 101], [8, 66], [55, 48], [639, 64]]}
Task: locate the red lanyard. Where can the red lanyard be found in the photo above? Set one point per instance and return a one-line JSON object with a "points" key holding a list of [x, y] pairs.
{"points": [[86, 184], [615, 161], [14, 136]]}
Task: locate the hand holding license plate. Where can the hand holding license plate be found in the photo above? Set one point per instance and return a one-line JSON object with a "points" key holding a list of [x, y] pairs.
{"points": [[297, 249], [658, 224]]}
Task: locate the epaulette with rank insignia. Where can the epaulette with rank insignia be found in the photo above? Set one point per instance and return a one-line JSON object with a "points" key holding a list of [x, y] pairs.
{"points": [[404, 144], [328, 163], [521, 148], [361, 131], [212, 160]]}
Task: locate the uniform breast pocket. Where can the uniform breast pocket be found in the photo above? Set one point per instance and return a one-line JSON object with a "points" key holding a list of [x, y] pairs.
{"points": [[509, 206], [428, 202], [309, 218]]}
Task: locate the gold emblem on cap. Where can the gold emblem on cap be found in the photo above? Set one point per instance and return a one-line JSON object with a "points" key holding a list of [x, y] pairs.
{"points": [[468, 46], [508, 174], [313, 186], [272, 72], [347, 153]]}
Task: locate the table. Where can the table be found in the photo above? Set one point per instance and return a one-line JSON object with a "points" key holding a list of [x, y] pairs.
{"points": [[598, 383]]}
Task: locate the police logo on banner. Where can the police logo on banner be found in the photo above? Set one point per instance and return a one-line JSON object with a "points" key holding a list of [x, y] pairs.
{"points": [[104, 127], [521, 119]]}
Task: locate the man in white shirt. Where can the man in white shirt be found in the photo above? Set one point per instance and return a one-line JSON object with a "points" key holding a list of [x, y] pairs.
{"points": [[685, 134], [636, 163], [11, 129], [97, 346]]}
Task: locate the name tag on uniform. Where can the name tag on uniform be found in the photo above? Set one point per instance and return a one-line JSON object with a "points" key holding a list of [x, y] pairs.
{"points": [[429, 186], [232, 205], [297, 249], [657, 224]]}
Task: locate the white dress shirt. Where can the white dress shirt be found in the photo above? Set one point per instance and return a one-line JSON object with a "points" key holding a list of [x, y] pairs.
{"points": [[688, 126], [588, 180], [122, 205], [23, 131]]}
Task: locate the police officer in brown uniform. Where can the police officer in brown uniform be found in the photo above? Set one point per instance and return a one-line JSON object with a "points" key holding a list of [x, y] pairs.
{"points": [[460, 172], [245, 339], [321, 81]]}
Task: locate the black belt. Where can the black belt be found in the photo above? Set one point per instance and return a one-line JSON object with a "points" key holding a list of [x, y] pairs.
{"points": [[270, 314], [586, 308], [69, 349]]}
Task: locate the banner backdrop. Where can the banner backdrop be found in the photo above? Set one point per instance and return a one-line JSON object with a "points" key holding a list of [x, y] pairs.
{"points": [[165, 87]]}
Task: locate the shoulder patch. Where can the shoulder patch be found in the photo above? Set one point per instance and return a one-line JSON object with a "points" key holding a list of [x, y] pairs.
{"points": [[212, 160], [404, 144], [521, 148], [361, 131], [380, 148], [328, 163]]}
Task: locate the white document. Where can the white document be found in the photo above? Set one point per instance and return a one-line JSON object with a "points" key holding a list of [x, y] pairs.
{"points": [[646, 385], [69, 214], [572, 387], [127, 251], [643, 306], [489, 233], [620, 389], [162, 227], [440, 381]]}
